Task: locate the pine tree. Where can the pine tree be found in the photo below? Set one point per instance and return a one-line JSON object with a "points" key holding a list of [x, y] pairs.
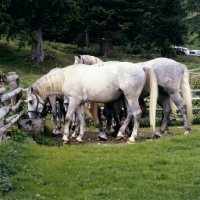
{"points": [[169, 24]]}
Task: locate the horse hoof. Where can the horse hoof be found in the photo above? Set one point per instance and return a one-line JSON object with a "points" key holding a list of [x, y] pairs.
{"points": [[102, 139], [65, 142], [186, 132], [130, 142], [157, 135], [60, 132], [54, 134], [78, 142], [72, 137], [119, 137]]}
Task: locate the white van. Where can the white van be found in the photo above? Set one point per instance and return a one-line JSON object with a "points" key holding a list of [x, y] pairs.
{"points": [[181, 50], [194, 53]]}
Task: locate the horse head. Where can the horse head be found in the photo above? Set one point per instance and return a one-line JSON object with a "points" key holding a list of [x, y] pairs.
{"points": [[78, 60], [35, 104]]}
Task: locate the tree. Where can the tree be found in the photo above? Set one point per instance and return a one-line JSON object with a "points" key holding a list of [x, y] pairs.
{"points": [[169, 24], [192, 9], [30, 18], [106, 20]]}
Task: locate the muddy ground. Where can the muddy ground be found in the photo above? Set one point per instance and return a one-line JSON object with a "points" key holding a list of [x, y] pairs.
{"points": [[92, 137]]}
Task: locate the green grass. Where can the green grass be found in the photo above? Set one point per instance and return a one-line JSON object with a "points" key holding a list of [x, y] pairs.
{"points": [[168, 168]]}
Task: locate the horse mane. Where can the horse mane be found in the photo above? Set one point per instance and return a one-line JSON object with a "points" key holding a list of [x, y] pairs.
{"points": [[52, 82]]}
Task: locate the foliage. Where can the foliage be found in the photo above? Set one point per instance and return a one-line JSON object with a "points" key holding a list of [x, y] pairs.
{"points": [[166, 50], [169, 23], [147, 24], [192, 8], [19, 136]]}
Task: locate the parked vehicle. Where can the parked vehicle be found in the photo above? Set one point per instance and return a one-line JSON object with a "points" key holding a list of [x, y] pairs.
{"points": [[181, 50], [194, 53]]}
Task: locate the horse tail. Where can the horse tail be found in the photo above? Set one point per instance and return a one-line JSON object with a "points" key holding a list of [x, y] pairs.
{"points": [[87, 112], [174, 108], [94, 109], [151, 81], [186, 91]]}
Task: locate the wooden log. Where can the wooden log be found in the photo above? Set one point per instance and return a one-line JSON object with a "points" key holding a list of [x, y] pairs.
{"points": [[3, 111], [24, 90], [4, 128], [12, 76], [14, 108], [10, 118], [10, 94], [13, 80], [2, 90]]}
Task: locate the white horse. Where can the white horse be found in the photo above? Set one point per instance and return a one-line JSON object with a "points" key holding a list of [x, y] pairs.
{"points": [[170, 76], [86, 59], [98, 83], [60, 112]]}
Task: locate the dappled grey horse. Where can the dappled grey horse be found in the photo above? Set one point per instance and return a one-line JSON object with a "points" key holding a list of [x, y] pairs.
{"points": [[84, 83]]}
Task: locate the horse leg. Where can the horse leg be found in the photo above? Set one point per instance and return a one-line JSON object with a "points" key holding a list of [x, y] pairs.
{"points": [[116, 115], [108, 109], [143, 107], [72, 106], [75, 125], [164, 102], [133, 110], [81, 121], [60, 111], [176, 98], [109, 117], [52, 100], [100, 119], [102, 135]]}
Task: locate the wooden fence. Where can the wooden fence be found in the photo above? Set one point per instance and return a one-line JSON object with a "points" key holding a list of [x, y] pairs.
{"points": [[14, 97]]}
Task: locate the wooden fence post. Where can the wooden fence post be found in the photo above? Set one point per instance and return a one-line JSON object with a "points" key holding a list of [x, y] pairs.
{"points": [[13, 80]]}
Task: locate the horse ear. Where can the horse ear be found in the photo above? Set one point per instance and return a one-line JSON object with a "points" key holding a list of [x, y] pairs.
{"points": [[31, 89]]}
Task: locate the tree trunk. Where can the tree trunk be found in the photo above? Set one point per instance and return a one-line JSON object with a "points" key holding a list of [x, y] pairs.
{"points": [[105, 48], [87, 38], [37, 52]]}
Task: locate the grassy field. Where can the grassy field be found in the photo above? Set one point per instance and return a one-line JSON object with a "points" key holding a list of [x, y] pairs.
{"points": [[168, 168]]}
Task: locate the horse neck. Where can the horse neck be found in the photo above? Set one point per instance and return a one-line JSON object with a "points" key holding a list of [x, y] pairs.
{"points": [[48, 85]]}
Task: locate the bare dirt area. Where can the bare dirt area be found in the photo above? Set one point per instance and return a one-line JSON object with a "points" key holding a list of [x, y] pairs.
{"points": [[92, 137]]}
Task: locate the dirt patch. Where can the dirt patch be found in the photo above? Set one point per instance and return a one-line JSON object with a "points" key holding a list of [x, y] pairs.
{"points": [[92, 137]]}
